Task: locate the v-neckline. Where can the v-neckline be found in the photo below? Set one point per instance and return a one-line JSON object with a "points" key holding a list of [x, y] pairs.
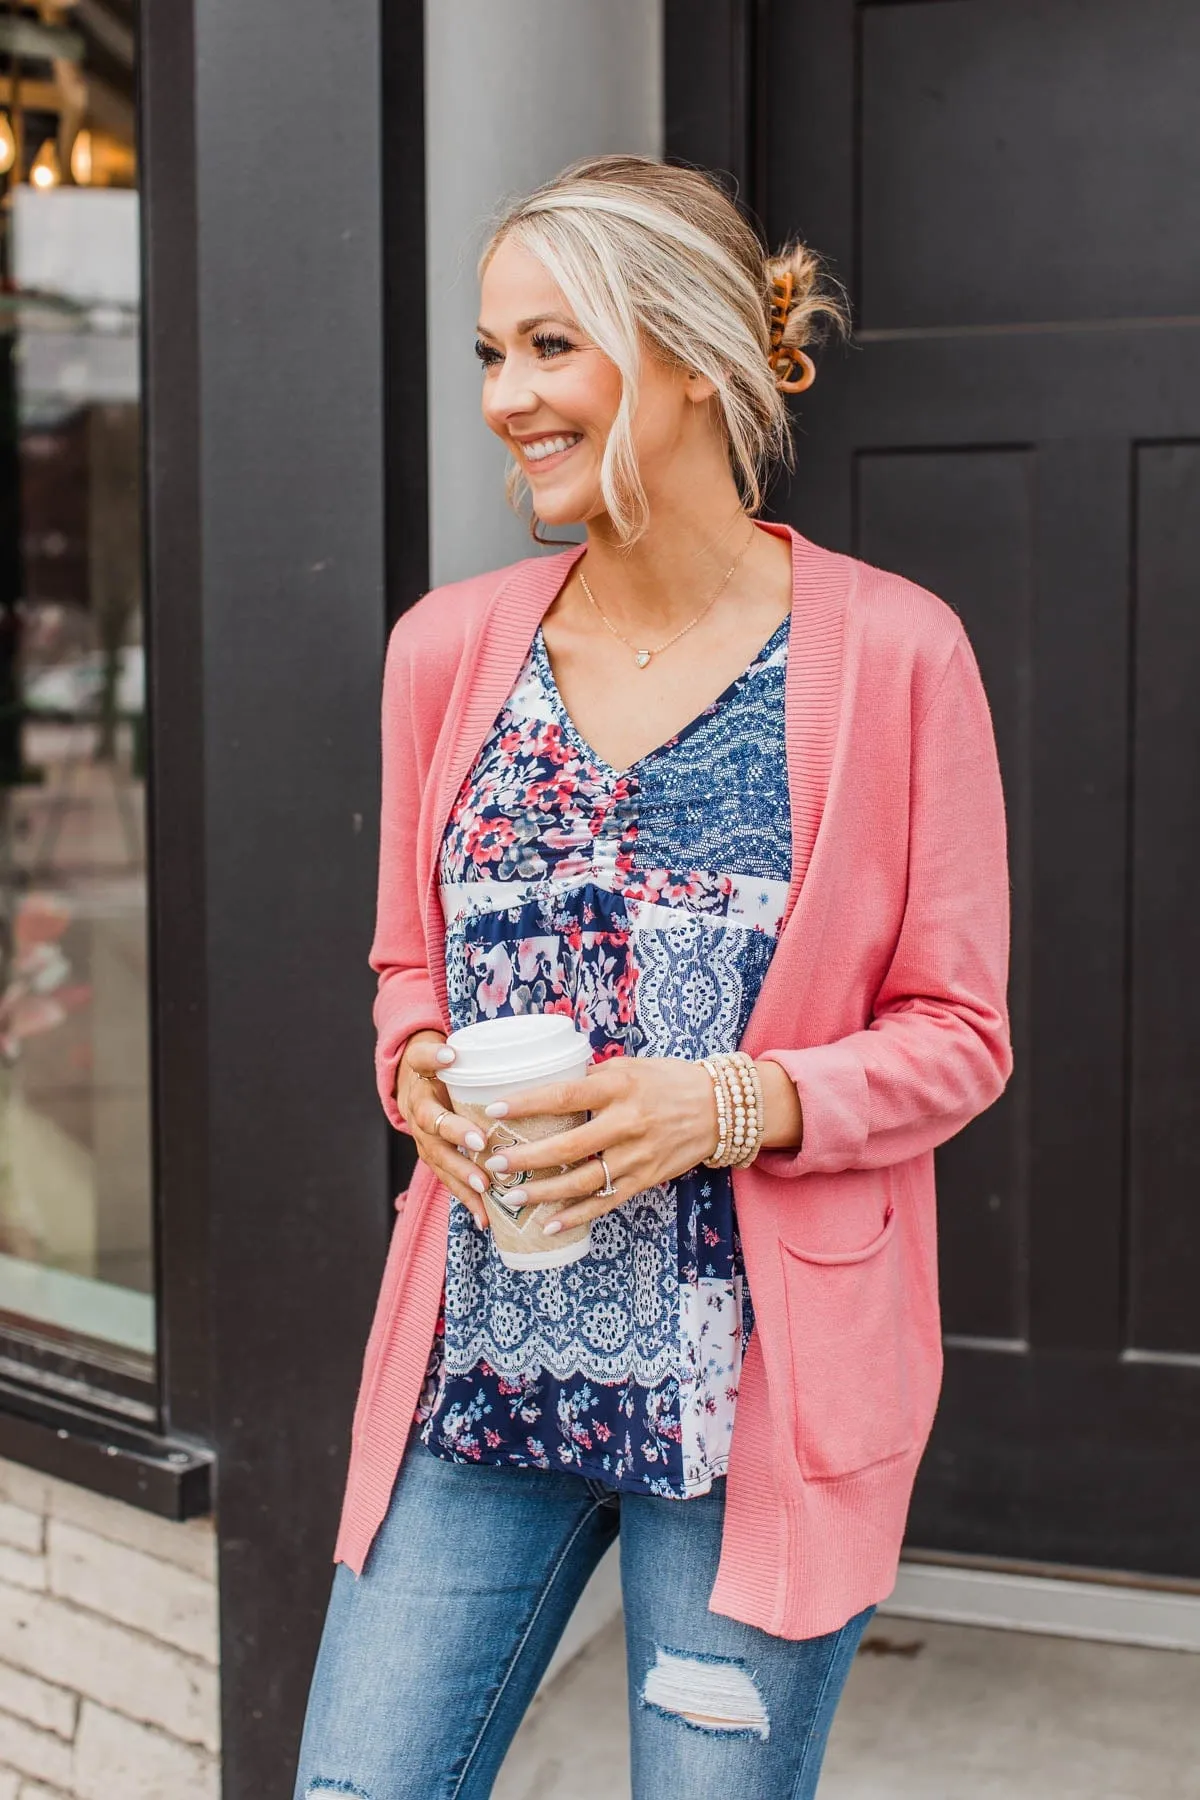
{"points": [[823, 582], [545, 668]]}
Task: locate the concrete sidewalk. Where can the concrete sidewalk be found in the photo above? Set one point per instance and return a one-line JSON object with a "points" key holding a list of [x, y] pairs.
{"points": [[931, 1712]]}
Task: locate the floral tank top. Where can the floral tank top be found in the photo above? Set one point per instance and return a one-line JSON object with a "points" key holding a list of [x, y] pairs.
{"points": [[644, 903]]}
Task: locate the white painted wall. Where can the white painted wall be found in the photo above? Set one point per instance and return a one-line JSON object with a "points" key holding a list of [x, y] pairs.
{"points": [[515, 89]]}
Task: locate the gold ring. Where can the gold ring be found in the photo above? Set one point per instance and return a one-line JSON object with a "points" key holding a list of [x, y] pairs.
{"points": [[608, 1188], [437, 1123]]}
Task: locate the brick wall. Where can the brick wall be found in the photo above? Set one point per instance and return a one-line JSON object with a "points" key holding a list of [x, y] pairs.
{"points": [[108, 1648]]}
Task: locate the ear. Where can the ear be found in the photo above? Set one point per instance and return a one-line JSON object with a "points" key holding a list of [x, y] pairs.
{"points": [[698, 387]]}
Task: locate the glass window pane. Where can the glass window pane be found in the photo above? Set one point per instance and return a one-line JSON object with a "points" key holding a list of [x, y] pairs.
{"points": [[75, 1214]]}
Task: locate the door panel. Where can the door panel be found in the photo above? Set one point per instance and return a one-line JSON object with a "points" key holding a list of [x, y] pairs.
{"points": [[1164, 1289], [1005, 154], [1010, 190]]}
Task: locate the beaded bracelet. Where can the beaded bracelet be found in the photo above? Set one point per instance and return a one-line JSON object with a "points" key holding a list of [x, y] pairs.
{"points": [[731, 1074], [755, 1121], [739, 1102], [719, 1156], [742, 1128], [716, 1160]]}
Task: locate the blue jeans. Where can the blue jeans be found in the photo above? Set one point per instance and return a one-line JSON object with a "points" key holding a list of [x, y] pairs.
{"points": [[430, 1658]]}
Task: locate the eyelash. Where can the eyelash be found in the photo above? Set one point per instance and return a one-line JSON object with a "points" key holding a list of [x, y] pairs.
{"points": [[548, 344]]}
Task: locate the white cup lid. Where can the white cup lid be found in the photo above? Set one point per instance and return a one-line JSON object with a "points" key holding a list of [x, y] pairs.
{"points": [[524, 1047]]}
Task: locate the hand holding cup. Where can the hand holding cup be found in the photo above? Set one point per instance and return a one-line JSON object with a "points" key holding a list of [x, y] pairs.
{"points": [[444, 1142], [495, 1061], [650, 1120]]}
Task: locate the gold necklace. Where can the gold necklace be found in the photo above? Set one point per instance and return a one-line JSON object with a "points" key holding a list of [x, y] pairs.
{"points": [[642, 656]]}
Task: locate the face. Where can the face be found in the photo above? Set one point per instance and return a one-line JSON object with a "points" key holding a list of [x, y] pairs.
{"points": [[551, 396]]}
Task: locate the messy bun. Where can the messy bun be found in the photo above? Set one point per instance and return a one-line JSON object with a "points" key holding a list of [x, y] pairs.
{"points": [[646, 251], [800, 310]]}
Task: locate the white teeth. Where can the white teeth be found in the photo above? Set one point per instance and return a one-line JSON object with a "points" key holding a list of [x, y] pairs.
{"points": [[544, 447]]}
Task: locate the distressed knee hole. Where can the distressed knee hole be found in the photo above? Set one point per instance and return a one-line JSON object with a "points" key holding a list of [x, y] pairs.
{"points": [[706, 1692], [316, 1789]]}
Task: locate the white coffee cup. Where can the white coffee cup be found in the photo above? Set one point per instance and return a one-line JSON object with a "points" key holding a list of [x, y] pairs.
{"points": [[494, 1060]]}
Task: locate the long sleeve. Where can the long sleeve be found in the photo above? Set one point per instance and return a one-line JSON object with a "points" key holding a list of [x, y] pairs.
{"points": [[936, 1051], [405, 1001]]}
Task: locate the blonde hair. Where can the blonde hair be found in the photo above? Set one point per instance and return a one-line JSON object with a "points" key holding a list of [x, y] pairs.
{"points": [[654, 252]]}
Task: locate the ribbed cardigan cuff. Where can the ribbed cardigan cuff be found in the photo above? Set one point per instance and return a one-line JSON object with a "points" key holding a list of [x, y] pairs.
{"points": [[835, 1101], [397, 1019]]}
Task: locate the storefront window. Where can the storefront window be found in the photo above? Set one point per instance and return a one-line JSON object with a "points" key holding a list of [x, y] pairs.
{"points": [[75, 1214]]}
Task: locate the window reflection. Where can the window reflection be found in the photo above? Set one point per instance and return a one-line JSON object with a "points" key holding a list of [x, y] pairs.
{"points": [[75, 1239]]}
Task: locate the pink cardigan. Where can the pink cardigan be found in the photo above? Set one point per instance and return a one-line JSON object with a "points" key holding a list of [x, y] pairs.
{"points": [[885, 1003]]}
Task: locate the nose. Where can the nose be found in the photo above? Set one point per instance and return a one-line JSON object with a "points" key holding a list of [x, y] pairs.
{"points": [[509, 395]]}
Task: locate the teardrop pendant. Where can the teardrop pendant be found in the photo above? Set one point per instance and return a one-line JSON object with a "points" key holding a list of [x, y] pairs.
{"points": [[642, 657]]}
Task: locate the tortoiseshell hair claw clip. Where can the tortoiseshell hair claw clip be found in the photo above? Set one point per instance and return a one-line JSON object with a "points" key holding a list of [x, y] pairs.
{"points": [[794, 371]]}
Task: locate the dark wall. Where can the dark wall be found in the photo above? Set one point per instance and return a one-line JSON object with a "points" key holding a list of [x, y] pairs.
{"points": [[271, 551]]}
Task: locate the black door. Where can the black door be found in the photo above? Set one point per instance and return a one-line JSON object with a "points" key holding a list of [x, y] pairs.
{"points": [[1011, 191]]}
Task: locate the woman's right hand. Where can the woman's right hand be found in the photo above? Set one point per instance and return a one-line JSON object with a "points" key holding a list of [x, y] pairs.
{"points": [[441, 1136]]}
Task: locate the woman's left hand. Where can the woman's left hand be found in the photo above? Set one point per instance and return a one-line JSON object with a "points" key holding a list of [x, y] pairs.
{"points": [[653, 1118]]}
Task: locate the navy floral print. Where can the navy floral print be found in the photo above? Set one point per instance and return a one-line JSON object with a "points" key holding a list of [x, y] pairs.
{"points": [[645, 904]]}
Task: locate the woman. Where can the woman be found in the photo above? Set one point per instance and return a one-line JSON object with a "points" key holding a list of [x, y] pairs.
{"points": [[701, 785]]}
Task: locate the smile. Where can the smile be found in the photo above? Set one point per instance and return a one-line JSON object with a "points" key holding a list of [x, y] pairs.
{"points": [[547, 449]]}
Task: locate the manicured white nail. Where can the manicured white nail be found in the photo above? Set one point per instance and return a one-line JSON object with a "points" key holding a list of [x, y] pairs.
{"points": [[445, 1054], [478, 1183], [551, 1226], [497, 1164], [474, 1140], [497, 1109]]}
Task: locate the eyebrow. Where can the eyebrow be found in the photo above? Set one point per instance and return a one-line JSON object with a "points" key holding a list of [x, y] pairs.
{"points": [[527, 325]]}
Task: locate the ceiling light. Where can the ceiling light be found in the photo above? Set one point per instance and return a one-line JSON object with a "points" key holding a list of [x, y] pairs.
{"points": [[81, 159], [8, 144], [47, 170]]}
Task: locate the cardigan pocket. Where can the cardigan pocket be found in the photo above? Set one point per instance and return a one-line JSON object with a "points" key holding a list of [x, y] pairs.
{"points": [[852, 1405]]}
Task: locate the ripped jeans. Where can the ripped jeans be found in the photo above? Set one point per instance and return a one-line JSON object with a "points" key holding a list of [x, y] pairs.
{"points": [[430, 1658]]}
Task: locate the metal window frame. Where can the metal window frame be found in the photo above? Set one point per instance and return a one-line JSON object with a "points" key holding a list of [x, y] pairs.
{"points": [[80, 1411]]}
